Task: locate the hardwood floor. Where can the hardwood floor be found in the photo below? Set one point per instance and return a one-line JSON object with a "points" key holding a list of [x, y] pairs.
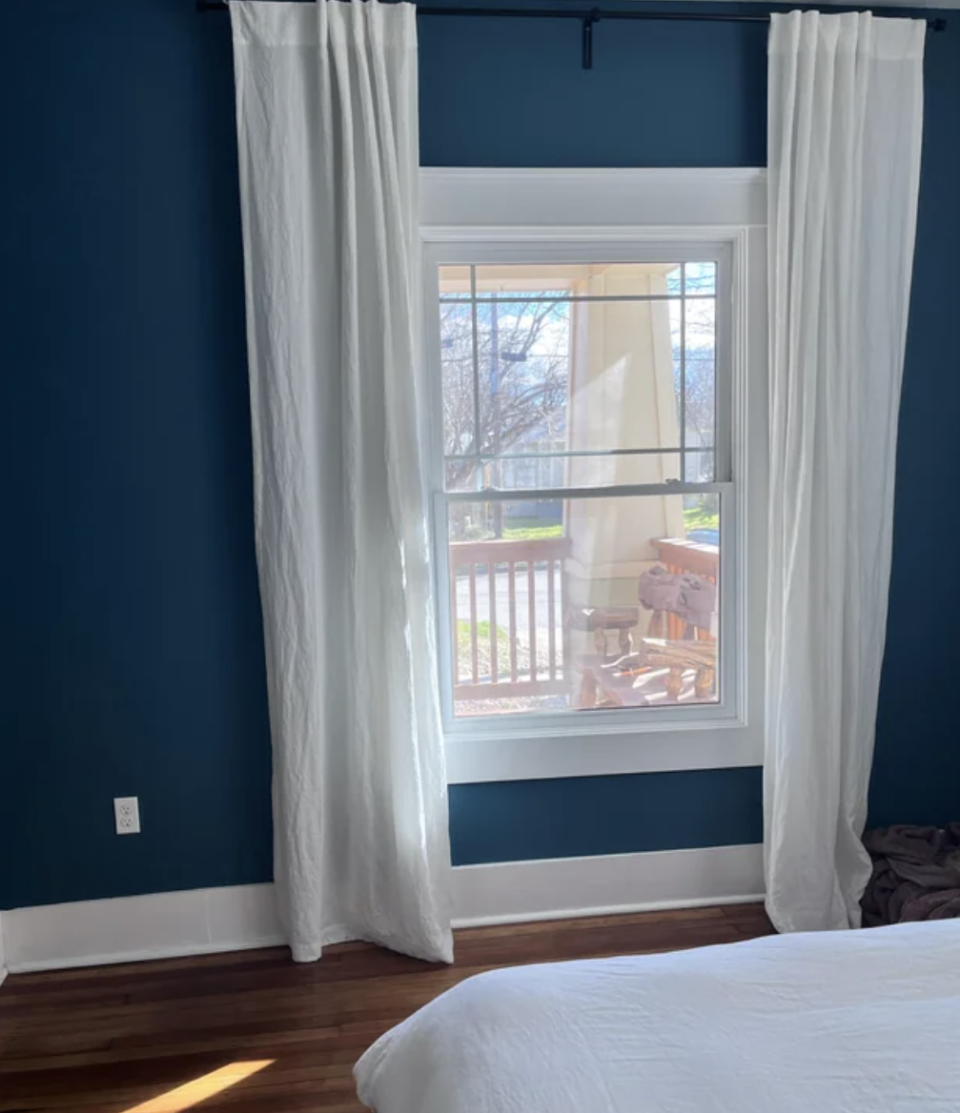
{"points": [[252, 1031]]}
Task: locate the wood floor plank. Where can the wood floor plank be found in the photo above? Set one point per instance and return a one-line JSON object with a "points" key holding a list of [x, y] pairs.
{"points": [[110, 1039]]}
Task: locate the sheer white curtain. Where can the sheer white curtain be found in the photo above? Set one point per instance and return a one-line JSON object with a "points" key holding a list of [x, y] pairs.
{"points": [[328, 140], [845, 122]]}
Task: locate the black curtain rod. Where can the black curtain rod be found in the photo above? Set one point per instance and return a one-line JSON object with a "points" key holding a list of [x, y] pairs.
{"points": [[588, 17]]}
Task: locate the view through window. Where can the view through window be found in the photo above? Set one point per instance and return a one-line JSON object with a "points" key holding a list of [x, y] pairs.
{"points": [[583, 462]]}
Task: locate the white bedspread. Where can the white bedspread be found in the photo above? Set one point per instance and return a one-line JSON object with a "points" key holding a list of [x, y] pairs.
{"points": [[844, 1022]]}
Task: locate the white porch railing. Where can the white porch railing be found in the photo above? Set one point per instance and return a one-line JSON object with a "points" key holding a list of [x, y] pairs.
{"points": [[507, 602]]}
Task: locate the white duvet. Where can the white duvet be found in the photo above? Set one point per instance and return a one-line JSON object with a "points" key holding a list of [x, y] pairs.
{"points": [[843, 1022]]}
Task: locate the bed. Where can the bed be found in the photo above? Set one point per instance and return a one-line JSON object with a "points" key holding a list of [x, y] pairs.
{"points": [[846, 1022]]}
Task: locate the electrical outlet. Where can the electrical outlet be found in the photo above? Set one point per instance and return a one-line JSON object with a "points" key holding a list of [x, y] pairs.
{"points": [[126, 809]]}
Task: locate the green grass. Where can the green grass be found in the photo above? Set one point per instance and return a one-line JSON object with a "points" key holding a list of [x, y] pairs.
{"points": [[483, 630], [697, 517], [464, 647], [515, 532], [523, 529]]}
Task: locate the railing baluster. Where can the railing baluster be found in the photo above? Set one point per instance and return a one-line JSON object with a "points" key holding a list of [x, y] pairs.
{"points": [[512, 584], [474, 661], [486, 562], [454, 632], [532, 614], [565, 649], [551, 621], [494, 663]]}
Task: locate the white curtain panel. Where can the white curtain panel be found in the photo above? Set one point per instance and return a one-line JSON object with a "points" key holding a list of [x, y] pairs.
{"points": [[845, 122], [329, 162]]}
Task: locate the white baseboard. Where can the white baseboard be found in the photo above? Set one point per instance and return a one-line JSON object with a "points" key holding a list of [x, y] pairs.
{"points": [[561, 888], [133, 929], [203, 921]]}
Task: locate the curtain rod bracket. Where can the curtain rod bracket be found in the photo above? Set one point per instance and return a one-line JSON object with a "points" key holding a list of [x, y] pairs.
{"points": [[591, 17]]}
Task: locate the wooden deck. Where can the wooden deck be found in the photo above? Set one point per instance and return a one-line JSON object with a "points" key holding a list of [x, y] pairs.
{"points": [[252, 1031]]}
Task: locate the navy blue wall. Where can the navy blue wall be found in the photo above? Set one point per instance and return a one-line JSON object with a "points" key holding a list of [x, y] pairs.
{"points": [[916, 772], [132, 657]]}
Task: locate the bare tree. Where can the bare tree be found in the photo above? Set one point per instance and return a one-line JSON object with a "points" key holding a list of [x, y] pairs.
{"points": [[699, 384], [522, 367], [506, 367]]}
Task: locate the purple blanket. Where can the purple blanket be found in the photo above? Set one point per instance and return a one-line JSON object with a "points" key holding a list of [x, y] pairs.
{"points": [[916, 874]]}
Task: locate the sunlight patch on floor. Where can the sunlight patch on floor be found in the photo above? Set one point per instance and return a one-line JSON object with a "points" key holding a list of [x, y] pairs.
{"points": [[202, 1088]]}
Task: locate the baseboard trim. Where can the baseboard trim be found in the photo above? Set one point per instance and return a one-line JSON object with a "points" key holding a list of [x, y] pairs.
{"points": [[136, 929], [565, 888], [244, 917]]}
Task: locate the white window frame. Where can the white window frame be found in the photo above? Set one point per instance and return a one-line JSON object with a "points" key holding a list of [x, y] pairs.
{"points": [[478, 216]]}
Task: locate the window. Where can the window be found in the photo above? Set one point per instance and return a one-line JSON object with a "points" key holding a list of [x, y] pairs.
{"points": [[581, 492], [589, 509]]}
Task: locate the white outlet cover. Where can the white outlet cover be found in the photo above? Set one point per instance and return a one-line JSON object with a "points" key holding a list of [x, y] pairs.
{"points": [[126, 811]]}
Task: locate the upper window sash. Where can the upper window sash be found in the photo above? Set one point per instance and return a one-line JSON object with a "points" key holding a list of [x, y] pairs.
{"points": [[563, 253]]}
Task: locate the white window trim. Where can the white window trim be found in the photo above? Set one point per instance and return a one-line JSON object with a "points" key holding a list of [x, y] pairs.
{"points": [[508, 209]]}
